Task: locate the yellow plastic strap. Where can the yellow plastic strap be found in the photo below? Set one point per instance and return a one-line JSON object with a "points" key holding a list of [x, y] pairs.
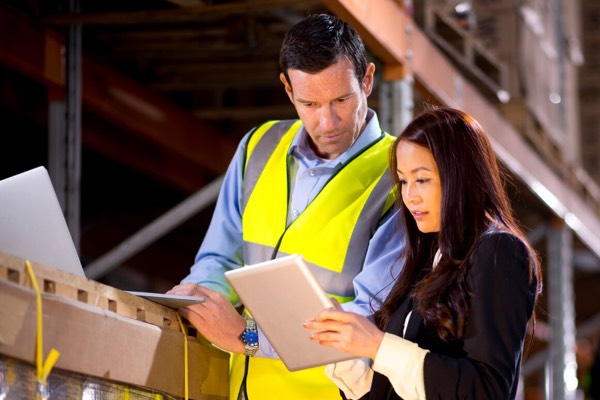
{"points": [[185, 356], [43, 367], [127, 393]]}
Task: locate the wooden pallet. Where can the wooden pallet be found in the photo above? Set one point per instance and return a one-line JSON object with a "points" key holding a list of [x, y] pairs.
{"points": [[58, 282]]}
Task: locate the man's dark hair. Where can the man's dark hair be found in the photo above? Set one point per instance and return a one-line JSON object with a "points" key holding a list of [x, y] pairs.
{"points": [[317, 42]]}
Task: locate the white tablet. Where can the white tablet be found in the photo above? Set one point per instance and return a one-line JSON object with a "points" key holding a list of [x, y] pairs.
{"points": [[170, 300], [281, 295]]}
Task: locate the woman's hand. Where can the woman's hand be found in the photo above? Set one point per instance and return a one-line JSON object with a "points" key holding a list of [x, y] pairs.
{"points": [[346, 331]]}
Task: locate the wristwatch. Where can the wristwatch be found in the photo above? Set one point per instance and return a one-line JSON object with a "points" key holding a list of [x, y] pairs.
{"points": [[249, 337]]}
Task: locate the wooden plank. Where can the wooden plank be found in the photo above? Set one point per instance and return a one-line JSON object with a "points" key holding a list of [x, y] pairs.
{"points": [[151, 117], [173, 15], [382, 24], [42, 56]]}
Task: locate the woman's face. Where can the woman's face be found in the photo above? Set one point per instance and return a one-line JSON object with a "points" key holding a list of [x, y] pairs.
{"points": [[420, 185]]}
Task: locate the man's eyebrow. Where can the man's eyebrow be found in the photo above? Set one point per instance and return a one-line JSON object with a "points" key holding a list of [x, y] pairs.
{"points": [[343, 96]]}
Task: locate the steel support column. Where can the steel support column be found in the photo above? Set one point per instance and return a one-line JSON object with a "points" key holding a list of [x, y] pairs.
{"points": [[562, 365], [73, 139], [396, 104], [64, 133], [57, 148]]}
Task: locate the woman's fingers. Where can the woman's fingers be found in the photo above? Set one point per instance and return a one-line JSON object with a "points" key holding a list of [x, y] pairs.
{"points": [[345, 331], [335, 315]]}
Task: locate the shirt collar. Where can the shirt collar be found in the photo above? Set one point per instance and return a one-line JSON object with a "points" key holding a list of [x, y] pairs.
{"points": [[370, 133]]}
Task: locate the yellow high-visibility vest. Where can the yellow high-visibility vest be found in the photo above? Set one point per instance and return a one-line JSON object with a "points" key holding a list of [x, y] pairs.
{"points": [[332, 234]]}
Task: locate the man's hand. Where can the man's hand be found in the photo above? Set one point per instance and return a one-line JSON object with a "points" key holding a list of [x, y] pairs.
{"points": [[216, 319]]}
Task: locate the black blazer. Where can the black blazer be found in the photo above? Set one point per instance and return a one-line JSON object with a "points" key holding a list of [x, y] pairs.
{"points": [[486, 363]]}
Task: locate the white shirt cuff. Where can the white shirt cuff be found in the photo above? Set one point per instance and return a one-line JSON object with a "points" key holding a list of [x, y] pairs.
{"points": [[353, 377], [401, 361]]}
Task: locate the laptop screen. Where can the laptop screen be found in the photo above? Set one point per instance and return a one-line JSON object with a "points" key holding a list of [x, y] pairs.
{"points": [[32, 225]]}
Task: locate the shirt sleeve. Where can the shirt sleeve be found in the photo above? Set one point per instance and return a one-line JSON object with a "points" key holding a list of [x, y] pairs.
{"points": [[401, 361], [353, 377], [502, 301], [222, 247]]}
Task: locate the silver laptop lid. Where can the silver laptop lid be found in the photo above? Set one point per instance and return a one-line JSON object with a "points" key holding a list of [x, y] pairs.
{"points": [[32, 225]]}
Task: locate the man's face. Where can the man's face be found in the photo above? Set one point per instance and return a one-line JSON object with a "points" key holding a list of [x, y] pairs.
{"points": [[332, 104]]}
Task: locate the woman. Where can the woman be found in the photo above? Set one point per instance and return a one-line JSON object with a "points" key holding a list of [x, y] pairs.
{"points": [[455, 321]]}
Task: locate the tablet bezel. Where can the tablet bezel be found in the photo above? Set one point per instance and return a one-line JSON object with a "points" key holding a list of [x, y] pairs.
{"points": [[282, 294], [170, 300]]}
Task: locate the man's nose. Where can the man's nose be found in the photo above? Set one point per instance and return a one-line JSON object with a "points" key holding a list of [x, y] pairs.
{"points": [[328, 118]]}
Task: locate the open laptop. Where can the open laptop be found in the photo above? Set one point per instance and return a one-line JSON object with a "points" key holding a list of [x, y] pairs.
{"points": [[33, 227]]}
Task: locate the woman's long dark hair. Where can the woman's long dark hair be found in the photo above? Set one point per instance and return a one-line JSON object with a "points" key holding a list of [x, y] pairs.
{"points": [[473, 201]]}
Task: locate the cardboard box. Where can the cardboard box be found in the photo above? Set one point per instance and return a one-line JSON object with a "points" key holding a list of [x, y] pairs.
{"points": [[96, 341]]}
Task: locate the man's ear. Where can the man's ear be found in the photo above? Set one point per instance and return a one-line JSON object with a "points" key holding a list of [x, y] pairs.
{"points": [[367, 81], [287, 86]]}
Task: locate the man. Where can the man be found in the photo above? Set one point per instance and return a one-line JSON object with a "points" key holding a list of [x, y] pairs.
{"points": [[333, 162]]}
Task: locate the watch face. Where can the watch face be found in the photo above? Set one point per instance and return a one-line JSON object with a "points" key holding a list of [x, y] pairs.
{"points": [[250, 336]]}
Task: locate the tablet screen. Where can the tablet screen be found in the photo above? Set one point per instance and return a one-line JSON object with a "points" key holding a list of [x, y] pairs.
{"points": [[281, 295]]}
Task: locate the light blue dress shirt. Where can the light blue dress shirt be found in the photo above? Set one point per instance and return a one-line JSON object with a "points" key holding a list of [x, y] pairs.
{"points": [[222, 247]]}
